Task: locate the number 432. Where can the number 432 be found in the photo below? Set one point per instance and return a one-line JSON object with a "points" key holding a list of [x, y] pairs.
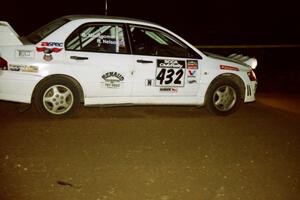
{"points": [[170, 77]]}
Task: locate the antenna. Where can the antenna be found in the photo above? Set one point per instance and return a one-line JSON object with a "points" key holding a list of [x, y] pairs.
{"points": [[105, 7]]}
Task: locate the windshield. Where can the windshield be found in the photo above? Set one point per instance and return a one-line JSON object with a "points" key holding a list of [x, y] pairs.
{"points": [[45, 30]]}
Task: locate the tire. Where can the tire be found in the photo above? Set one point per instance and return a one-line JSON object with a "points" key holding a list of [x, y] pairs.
{"points": [[223, 97], [57, 96]]}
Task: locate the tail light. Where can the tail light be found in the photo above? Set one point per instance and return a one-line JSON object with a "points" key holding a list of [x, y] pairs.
{"points": [[3, 64], [251, 75]]}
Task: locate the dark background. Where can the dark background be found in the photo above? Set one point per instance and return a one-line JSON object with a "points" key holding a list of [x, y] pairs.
{"points": [[230, 22], [164, 152]]}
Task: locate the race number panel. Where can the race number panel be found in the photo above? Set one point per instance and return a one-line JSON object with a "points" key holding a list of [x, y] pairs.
{"points": [[170, 73]]}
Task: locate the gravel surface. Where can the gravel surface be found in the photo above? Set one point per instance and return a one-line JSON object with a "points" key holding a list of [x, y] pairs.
{"points": [[147, 152]]}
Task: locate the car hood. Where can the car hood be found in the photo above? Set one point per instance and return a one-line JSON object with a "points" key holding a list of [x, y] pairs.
{"points": [[235, 58]]}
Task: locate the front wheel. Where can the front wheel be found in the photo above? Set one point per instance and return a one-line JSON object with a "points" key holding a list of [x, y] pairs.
{"points": [[57, 97], [223, 97]]}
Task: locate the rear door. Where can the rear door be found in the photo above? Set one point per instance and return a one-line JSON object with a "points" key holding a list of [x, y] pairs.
{"points": [[99, 54]]}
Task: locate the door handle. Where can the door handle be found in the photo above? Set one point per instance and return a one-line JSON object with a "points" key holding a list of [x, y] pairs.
{"points": [[79, 58], [144, 61]]}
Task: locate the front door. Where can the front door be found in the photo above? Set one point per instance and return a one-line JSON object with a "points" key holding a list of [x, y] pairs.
{"points": [[163, 66]]}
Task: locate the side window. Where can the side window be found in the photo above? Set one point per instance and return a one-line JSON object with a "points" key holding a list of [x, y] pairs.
{"points": [[105, 38], [147, 41]]}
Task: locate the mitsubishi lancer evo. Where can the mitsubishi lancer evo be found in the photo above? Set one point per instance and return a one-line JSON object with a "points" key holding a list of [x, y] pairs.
{"points": [[101, 60]]}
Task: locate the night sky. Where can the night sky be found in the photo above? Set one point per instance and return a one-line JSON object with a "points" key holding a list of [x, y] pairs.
{"points": [[203, 23], [200, 22]]}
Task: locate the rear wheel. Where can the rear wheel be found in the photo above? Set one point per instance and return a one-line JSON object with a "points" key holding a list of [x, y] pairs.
{"points": [[57, 97], [223, 97]]}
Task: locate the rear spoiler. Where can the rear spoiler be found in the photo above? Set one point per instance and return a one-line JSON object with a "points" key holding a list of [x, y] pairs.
{"points": [[8, 36]]}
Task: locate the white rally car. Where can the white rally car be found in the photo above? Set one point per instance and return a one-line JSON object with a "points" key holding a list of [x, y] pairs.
{"points": [[97, 60]]}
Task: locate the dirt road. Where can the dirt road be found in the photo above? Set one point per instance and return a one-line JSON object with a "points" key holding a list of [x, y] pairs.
{"points": [[150, 153]]}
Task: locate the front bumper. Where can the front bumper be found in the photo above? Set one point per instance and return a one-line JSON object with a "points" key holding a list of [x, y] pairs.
{"points": [[250, 91]]}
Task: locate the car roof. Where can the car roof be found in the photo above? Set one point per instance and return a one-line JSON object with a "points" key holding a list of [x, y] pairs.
{"points": [[78, 17]]}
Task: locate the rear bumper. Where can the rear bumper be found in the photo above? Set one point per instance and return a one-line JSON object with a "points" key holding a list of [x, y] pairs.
{"points": [[15, 98], [16, 88]]}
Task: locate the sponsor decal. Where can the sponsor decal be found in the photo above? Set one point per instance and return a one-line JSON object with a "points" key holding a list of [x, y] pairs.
{"points": [[192, 64], [54, 47], [48, 55], [112, 79], [24, 54], [15, 68], [48, 48], [52, 44], [192, 73], [168, 89], [225, 67], [23, 68], [248, 90], [170, 73], [192, 81], [30, 69], [43, 49], [148, 82], [171, 63]]}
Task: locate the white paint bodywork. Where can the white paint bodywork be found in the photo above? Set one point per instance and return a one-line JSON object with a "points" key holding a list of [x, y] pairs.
{"points": [[8, 35], [19, 85]]}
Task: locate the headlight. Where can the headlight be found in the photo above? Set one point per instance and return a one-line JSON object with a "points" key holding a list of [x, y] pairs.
{"points": [[252, 62], [251, 75]]}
